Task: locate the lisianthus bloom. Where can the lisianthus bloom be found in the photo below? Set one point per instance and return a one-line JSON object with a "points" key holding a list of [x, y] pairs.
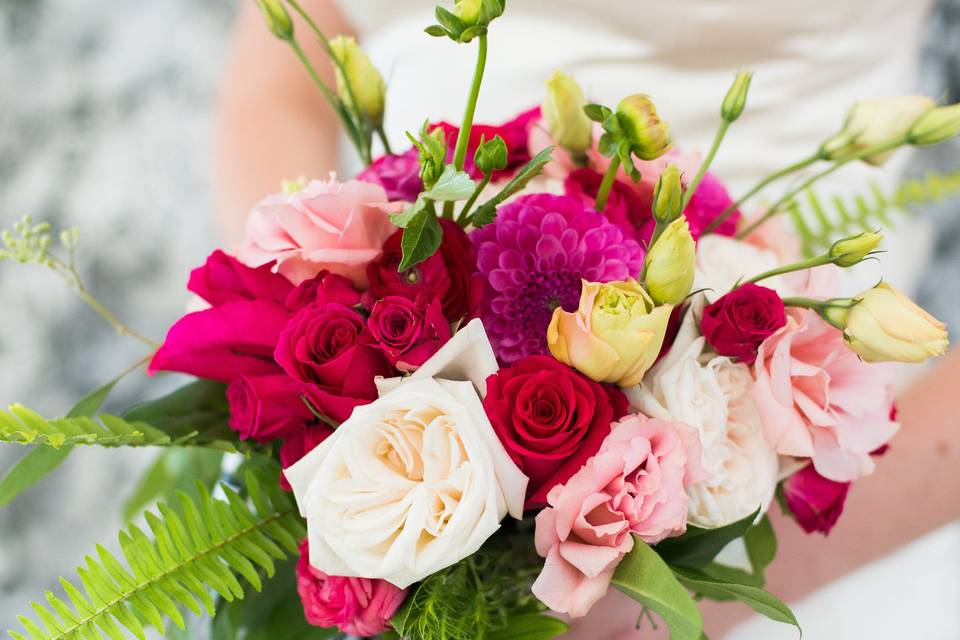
{"points": [[328, 225], [266, 407], [550, 419], [357, 606], [534, 256], [815, 502], [449, 274], [407, 332], [413, 482], [818, 400], [737, 323], [399, 175], [633, 485]]}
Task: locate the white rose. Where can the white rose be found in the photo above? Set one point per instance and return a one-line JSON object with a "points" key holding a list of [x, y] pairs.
{"points": [[713, 398], [415, 481]]}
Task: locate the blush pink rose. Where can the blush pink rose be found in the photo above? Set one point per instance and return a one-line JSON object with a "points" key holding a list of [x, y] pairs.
{"points": [[818, 400], [633, 485], [357, 606], [339, 227]]}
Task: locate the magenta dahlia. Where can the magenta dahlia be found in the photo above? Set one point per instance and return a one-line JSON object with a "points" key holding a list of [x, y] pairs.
{"points": [[534, 256]]}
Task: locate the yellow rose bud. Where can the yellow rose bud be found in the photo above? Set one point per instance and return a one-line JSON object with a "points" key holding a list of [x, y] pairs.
{"points": [[852, 250], [563, 111], [365, 81], [277, 18], [468, 10], [671, 263], [668, 195], [736, 98], [649, 136], [874, 122], [614, 336], [936, 125], [883, 325]]}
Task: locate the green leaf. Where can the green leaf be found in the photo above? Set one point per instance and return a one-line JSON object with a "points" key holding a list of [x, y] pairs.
{"points": [[403, 218], [420, 239], [486, 212], [597, 112], [530, 626], [761, 543], [754, 597], [175, 469], [437, 31], [645, 577], [452, 185], [201, 547], [470, 33], [450, 22], [197, 414], [698, 547]]}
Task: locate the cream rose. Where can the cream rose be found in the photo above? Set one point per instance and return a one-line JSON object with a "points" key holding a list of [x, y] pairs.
{"points": [[414, 481], [711, 394]]}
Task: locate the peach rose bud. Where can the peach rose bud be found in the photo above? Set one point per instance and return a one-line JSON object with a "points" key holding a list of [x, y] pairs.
{"points": [[614, 336]]}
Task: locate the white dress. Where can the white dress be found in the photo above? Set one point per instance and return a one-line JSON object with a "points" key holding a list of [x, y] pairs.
{"points": [[811, 58]]}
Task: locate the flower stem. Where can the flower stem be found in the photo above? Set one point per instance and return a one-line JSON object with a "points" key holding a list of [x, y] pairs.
{"points": [[603, 193], [463, 218], [796, 266], [773, 177], [384, 140], [692, 187], [463, 137]]}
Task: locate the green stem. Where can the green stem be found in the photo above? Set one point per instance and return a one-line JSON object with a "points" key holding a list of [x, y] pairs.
{"points": [[603, 193], [773, 177], [463, 138], [463, 219], [777, 207], [796, 266], [804, 303], [384, 140], [692, 187]]}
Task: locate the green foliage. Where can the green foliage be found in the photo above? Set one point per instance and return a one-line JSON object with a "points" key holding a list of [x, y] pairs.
{"points": [[197, 414], [645, 577], [755, 597], [530, 626], [198, 547], [175, 469], [451, 26], [421, 239], [486, 212], [698, 547], [475, 597], [761, 543], [820, 223], [452, 185], [24, 426]]}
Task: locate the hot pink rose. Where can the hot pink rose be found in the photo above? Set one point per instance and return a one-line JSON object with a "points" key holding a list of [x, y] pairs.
{"points": [[357, 606], [328, 225], [266, 407], [634, 484], [399, 175], [815, 502], [299, 443], [323, 288], [738, 322], [408, 332], [818, 400], [223, 278]]}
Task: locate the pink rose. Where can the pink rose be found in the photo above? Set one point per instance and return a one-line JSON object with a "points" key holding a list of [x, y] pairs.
{"points": [[328, 225], [399, 175], [357, 606], [408, 332], [634, 484], [815, 502], [223, 278], [266, 407], [818, 400]]}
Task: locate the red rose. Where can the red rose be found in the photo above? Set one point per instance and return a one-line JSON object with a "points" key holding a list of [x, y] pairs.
{"points": [[266, 407], [815, 502], [736, 324], [299, 443], [450, 275], [625, 208], [324, 347], [550, 419], [515, 134], [408, 332], [323, 288]]}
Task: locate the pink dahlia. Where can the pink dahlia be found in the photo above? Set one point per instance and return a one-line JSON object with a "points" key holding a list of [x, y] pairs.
{"points": [[534, 256]]}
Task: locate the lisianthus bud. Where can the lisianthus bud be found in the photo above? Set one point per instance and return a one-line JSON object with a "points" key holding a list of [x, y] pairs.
{"points": [[874, 122], [649, 136], [614, 336], [883, 325], [668, 195], [365, 81], [671, 264], [563, 111], [468, 10], [850, 251], [736, 98], [936, 125], [277, 18]]}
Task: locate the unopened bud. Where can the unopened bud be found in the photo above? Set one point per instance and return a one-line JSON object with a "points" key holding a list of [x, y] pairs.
{"points": [[563, 111], [936, 125], [850, 251], [671, 264], [366, 83], [872, 123], [277, 18], [491, 155], [468, 10], [668, 195], [649, 136], [736, 98]]}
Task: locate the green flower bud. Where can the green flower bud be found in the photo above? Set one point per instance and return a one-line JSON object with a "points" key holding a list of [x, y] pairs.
{"points": [[668, 195], [649, 136], [936, 125], [277, 18], [468, 10], [736, 98], [850, 251], [491, 155], [365, 81], [671, 263], [875, 122], [563, 111]]}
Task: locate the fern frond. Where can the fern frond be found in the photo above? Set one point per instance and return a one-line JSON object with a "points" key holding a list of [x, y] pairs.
{"points": [[20, 424], [820, 223], [200, 547]]}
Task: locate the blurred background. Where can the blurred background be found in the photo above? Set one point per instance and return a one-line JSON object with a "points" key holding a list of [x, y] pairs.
{"points": [[106, 121]]}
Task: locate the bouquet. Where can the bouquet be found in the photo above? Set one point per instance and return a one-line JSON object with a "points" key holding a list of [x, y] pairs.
{"points": [[466, 392]]}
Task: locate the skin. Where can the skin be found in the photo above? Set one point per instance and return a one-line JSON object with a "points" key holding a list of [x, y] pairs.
{"points": [[274, 125]]}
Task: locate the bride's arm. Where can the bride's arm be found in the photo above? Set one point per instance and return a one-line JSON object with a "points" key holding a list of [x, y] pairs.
{"points": [[273, 123]]}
